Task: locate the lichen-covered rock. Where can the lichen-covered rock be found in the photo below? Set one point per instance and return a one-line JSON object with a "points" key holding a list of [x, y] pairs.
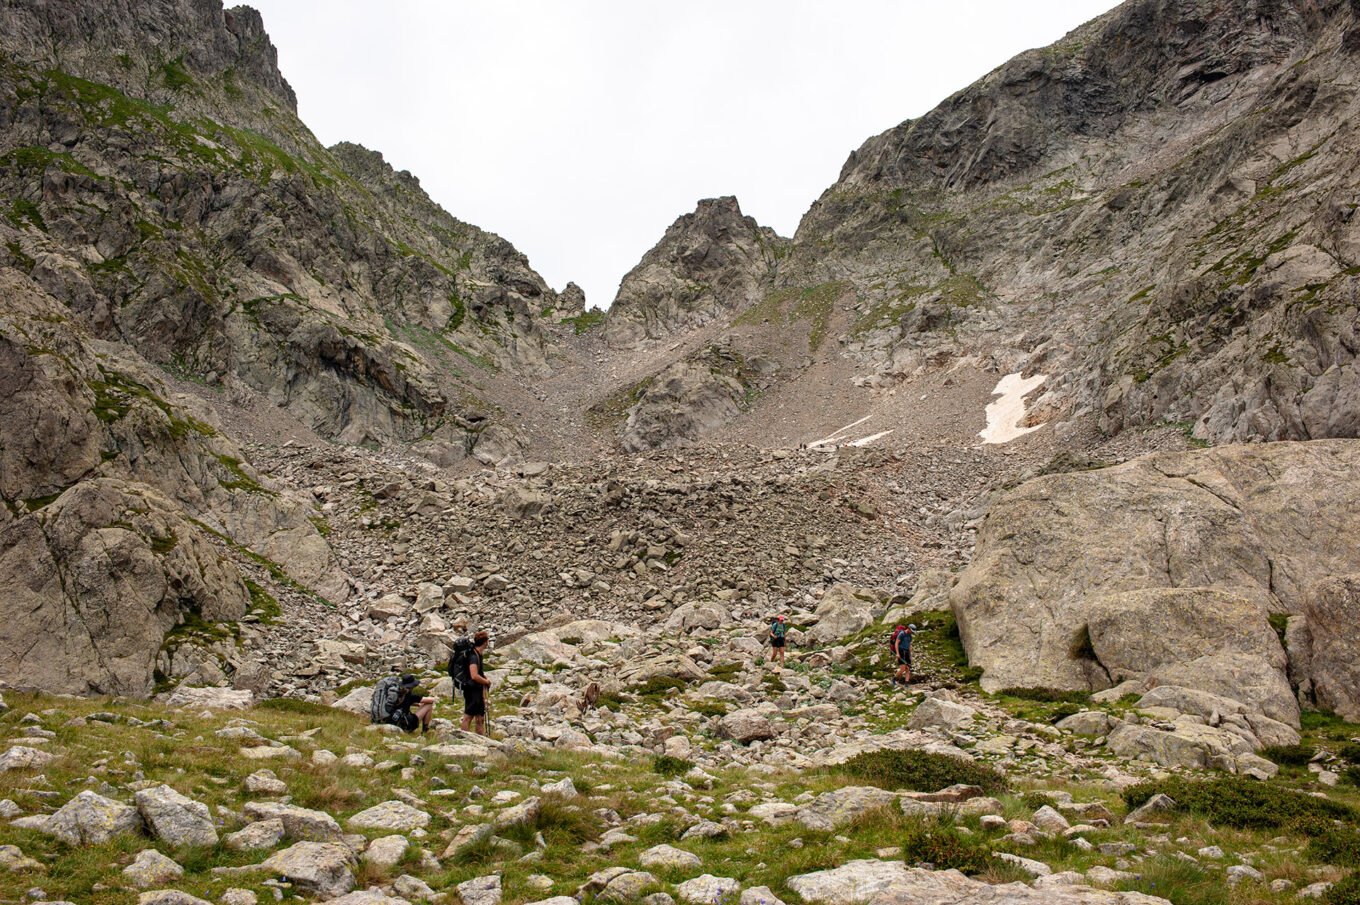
{"points": [[92, 819], [176, 819]]}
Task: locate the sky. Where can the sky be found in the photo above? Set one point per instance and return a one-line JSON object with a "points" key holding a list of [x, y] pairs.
{"points": [[580, 129]]}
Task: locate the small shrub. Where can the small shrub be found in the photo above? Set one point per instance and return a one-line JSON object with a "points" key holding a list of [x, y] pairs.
{"points": [[1289, 755], [1351, 775], [1339, 845], [1343, 892], [1035, 800], [665, 765], [725, 671], [709, 708], [1242, 803], [940, 844], [657, 687], [920, 771], [1349, 751], [1063, 711]]}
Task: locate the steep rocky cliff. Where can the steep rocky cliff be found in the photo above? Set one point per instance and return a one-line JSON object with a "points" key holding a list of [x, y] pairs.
{"points": [[1156, 213], [166, 216], [158, 182]]}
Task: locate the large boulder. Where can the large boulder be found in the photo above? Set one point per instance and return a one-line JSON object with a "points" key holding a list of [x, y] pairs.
{"points": [[1325, 647], [690, 616], [842, 612], [746, 726], [92, 819], [176, 819], [1264, 523], [1197, 638], [316, 868], [950, 887]]}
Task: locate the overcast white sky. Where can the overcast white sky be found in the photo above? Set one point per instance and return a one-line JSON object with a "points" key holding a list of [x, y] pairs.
{"points": [[580, 129]]}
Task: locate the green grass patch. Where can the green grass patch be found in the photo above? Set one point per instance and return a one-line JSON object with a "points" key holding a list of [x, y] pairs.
{"points": [[945, 846], [586, 320]]}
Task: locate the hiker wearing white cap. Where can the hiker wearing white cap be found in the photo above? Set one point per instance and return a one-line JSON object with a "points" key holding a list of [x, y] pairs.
{"points": [[901, 648]]}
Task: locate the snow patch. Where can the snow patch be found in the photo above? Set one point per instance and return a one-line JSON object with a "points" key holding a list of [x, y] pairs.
{"points": [[1005, 414]]}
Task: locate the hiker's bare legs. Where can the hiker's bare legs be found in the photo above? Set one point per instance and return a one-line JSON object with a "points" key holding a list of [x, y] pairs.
{"points": [[424, 712], [479, 724]]}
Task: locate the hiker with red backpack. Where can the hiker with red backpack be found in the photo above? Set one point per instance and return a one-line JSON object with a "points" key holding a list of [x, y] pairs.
{"points": [[900, 645]]}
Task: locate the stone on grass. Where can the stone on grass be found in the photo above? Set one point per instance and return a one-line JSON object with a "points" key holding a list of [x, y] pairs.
{"points": [[563, 787], [169, 897], [669, 857], [1028, 865], [481, 890], [709, 890], [1050, 821], [368, 897], [759, 895], [832, 809], [92, 819], [468, 836], [387, 851], [1152, 809], [238, 896], [315, 868], [176, 819], [264, 782], [151, 868], [941, 713], [853, 883], [255, 836], [390, 815], [21, 757], [298, 823], [13, 858], [522, 814]]}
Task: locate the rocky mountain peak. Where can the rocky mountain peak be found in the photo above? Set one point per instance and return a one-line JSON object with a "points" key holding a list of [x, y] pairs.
{"points": [[709, 263], [1142, 56], [156, 50]]}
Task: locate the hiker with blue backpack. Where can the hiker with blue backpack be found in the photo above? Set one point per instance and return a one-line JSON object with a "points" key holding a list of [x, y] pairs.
{"points": [[900, 644], [777, 632]]}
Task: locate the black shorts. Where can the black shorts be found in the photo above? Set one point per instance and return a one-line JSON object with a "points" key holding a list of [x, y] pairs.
{"points": [[405, 720], [904, 659], [776, 642], [474, 700]]}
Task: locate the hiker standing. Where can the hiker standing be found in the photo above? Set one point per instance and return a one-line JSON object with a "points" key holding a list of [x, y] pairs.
{"points": [[901, 648], [777, 632], [459, 655], [475, 686], [399, 702]]}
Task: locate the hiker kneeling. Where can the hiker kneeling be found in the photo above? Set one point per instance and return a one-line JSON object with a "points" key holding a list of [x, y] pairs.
{"points": [[397, 701], [473, 683]]}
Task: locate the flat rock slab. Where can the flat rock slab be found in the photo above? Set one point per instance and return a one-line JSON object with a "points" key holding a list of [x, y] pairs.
{"points": [[92, 819], [832, 809], [390, 815], [853, 883], [949, 887]]}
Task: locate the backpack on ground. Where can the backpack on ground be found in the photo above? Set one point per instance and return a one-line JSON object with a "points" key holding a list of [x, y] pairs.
{"points": [[384, 701], [460, 662]]}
